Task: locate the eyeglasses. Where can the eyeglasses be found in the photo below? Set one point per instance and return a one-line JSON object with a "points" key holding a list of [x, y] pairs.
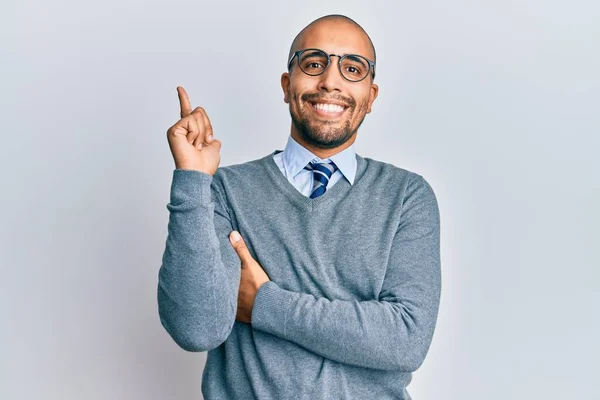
{"points": [[353, 67]]}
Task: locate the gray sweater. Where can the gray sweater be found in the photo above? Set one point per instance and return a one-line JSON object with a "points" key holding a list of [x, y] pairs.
{"points": [[352, 304]]}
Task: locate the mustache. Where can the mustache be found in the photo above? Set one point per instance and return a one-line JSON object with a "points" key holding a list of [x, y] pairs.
{"points": [[315, 97]]}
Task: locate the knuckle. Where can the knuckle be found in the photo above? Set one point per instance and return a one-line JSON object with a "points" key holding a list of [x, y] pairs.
{"points": [[191, 122], [172, 130], [197, 112]]}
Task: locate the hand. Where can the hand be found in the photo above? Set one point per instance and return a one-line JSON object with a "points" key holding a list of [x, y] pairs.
{"points": [[191, 139], [252, 278]]}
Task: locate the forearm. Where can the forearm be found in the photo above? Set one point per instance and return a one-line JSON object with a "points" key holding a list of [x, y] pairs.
{"points": [[372, 334], [197, 291]]}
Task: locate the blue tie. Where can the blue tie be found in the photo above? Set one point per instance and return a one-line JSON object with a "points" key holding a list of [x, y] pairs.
{"points": [[321, 174]]}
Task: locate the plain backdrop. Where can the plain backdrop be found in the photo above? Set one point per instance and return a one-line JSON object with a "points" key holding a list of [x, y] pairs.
{"points": [[495, 103]]}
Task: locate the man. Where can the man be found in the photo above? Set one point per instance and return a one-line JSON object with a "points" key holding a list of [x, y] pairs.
{"points": [[332, 289]]}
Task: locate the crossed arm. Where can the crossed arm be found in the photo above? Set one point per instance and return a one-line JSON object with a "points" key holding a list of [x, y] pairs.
{"points": [[391, 333]]}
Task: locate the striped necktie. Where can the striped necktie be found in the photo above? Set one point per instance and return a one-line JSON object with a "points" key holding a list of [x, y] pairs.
{"points": [[321, 174]]}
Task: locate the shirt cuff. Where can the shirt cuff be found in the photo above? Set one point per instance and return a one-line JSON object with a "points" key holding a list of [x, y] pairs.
{"points": [[272, 305], [189, 184]]}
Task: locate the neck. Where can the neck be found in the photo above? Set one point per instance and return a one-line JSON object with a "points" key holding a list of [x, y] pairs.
{"points": [[319, 151]]}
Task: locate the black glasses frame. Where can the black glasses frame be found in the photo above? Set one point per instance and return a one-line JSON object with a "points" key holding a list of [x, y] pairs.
{"points": [[298, 53]]}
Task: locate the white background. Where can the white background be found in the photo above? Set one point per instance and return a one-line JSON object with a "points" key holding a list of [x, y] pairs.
{"points": [[495, 103]]}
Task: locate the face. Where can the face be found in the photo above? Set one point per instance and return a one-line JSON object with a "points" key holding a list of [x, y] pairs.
{"points": [[326, 109]]}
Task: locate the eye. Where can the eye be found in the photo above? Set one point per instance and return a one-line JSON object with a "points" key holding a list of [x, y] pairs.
{"points": [[314, 64], [353, 69]]}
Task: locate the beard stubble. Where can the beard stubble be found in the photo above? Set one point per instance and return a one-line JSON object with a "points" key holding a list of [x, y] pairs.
{"points": [[318, 134]]}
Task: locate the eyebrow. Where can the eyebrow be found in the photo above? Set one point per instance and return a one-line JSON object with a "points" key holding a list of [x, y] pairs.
{"points": [[312, 53], [355, 57]]}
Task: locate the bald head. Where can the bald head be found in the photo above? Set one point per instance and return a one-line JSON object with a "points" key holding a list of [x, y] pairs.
{"points": [[331, 20]]}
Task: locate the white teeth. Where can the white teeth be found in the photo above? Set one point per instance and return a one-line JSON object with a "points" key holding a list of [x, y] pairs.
{"points": [[332, 108]]}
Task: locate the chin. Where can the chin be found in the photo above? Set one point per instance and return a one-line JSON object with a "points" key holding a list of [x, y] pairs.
{"points": [[323, 137], [323, 133]]}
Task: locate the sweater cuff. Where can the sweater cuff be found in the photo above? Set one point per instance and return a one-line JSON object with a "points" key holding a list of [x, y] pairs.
{"points": [[189, 184], [272, 305]]}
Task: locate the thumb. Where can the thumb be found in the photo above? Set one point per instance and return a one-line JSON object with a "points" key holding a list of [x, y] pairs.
{"points": [[240, 247]]}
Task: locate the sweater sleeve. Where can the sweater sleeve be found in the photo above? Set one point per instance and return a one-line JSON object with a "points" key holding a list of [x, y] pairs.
{"points": [[393, 332], [199, 277]]}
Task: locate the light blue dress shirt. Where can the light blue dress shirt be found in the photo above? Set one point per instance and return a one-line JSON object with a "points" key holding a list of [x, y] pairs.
{"points": [[295, 157]]}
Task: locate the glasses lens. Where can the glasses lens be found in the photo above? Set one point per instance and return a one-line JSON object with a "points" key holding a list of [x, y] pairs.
{"points": [[354, 67], [313, 62]]}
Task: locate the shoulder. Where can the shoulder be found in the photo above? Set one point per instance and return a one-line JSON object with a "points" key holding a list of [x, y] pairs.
{"points": [[403, 184], [391, 173], [239, 175], [386, 169], [243, 169]]}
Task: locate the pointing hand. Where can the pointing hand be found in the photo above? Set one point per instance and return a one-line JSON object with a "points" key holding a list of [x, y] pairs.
{"points": [[191, 139]]}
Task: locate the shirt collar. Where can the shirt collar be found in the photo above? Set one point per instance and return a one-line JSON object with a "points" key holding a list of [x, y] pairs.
{"points": [[296, 157]]}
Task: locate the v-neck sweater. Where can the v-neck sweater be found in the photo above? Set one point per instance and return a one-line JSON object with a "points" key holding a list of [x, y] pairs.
{"points": [[355, 281]]}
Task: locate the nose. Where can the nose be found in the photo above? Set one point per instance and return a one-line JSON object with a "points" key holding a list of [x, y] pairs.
{"points": [[331, 79]]}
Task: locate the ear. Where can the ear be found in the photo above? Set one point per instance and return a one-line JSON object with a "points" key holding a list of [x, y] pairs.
{"points": [[374, 91], [285, 85]]}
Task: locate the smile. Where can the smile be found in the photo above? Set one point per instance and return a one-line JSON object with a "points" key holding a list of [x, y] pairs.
{"points": [[328, 109]]}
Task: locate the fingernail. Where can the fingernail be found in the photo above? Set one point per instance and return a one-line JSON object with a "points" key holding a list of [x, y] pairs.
{"points": [[210, 137], [235, 236], [200, 146]]}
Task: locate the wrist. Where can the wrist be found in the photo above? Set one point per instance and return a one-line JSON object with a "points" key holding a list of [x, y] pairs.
{"points": [[192, 168]]}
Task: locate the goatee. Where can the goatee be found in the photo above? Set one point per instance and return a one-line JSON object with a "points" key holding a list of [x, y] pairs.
{"points": [[317, 133], [320, 136]]}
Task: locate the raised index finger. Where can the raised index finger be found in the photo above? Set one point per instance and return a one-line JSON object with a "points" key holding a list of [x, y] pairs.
{"points": [[184, 102]]}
